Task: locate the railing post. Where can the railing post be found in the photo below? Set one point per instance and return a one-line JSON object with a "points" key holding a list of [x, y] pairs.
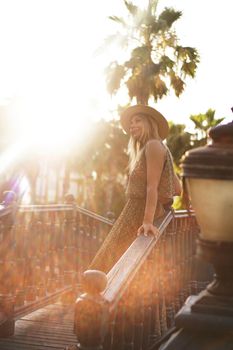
{"points": [[70, 274], [7, 278], [7, 323], [91, 312]]}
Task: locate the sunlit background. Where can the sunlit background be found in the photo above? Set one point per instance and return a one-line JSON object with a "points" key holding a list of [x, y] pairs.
{"points": [[52, 85]]}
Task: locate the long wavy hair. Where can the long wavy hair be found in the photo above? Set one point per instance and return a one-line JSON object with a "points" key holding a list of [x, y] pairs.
{"points": [[136, 147]]}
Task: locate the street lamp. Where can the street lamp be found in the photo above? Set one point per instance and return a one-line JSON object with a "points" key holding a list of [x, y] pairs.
{"points": [[208, 174], [208, 179]]}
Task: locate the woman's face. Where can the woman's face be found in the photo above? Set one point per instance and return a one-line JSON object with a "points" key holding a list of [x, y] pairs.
{"points": [[137, 126]]}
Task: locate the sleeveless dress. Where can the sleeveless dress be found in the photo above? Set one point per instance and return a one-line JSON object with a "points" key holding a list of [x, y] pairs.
{"points": [[124, 230]]}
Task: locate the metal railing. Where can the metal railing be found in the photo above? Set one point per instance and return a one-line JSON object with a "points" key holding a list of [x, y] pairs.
{"points": [[44, 250], [135, 304]]}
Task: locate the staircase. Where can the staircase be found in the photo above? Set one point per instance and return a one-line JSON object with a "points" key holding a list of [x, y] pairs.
{"points": [[44, 251]]}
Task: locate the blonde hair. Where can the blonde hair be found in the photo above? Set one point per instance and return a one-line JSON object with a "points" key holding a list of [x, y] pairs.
{"points": [[136, 147]]}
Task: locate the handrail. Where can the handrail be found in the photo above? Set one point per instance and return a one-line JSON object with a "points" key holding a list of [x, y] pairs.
{"points": [[4, 210], [122, 273], [140, 295], [184, 213], [63, 207]]}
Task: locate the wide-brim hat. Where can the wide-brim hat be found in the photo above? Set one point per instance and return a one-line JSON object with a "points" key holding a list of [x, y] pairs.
{"points": [[128, 113]]}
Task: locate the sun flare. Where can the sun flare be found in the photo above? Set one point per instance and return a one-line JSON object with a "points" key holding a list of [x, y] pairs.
{"points": [[50, 127]]}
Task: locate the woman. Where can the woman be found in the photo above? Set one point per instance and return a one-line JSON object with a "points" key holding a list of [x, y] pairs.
{"points": [[151, 186]]}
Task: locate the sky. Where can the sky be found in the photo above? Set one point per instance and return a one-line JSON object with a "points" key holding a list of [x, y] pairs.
{"points": [[50, 70]]}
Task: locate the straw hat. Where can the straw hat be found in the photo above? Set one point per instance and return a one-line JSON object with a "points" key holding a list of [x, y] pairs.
{"points": [[128, 113]]}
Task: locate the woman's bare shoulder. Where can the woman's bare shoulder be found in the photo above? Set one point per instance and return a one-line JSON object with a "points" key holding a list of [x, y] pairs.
{"points": [[155, 146]]}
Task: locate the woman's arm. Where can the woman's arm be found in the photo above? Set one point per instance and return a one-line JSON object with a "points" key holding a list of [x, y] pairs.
{"points": [[155, 157]]}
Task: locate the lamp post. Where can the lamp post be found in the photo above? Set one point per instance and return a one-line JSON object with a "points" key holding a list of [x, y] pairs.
{"points": [[206, 320]]}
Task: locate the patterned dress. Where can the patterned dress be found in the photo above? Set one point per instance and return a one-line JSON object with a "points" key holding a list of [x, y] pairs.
{"points": [[124, 230]]}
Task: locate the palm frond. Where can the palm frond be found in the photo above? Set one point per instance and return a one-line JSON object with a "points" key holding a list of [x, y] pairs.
{"points": [[198, 120], [142, 53], [210, 116], [177, 84], [152, 6], [131, 63], [192, 54], [133, 9], [166, 63], [159, 88], [114, 74], [151, 69], [187, 53], [132, 87], [189, 68], [218, 121], [158, 25], [117, 19], [169, 15], [203, 122], [117, 38], [143, 18]]}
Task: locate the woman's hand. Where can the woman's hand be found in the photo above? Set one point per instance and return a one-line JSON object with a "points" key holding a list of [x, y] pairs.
{"points": [[147, 229]]}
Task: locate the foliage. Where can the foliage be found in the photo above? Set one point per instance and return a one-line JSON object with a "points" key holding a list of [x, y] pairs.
{"points": [[156, 61], [117, 200], [178, 141], [107, 159], [106, 151], [203, 122]]}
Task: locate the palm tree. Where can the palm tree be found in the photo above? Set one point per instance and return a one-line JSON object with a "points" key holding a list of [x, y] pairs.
{"points": [[156, 61], [203, 122]]}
